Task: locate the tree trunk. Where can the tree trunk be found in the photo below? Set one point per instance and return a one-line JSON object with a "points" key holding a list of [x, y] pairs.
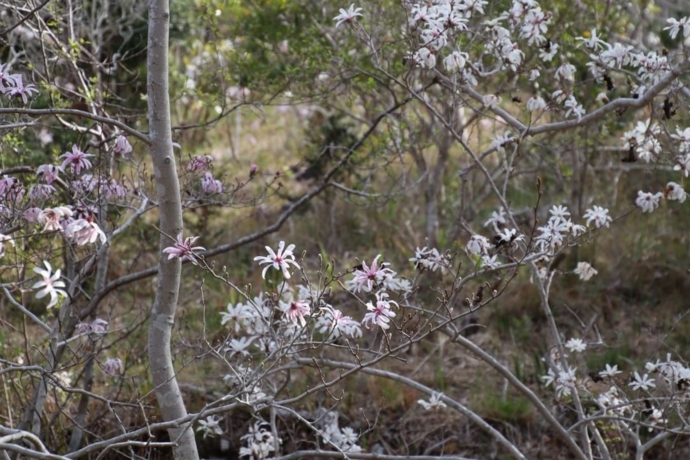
{"points": [[169, 201]]}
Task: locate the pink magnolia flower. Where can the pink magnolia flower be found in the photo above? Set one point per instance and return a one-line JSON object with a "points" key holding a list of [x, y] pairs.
{"points": [[253, 170], [11, 189], [19, 90], [49, 172], [184, 249], [84, 231], [199, 163], [49, 284], [211, 185], [40, 192], [98, 326], [367, 278], [113, 366], [381, 313], [76, 159], [50, 218], [295, 311], [32, 214], [122, 146], [280, 260], [111, 189]]}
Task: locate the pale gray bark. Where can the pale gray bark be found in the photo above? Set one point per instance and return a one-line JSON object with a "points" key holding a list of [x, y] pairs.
{"points": [[168, 191]]}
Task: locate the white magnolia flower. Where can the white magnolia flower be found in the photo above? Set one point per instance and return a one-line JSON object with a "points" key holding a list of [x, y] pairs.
{"points": [[598, 215], [280, 260], [210, 426], [455, 61], [239, 346], [549, 378], [683, 165], [349, 15], [49, 284], [585, 271], [676, 26], [647, 201], [239, 314], [592, 42], [642, 382], [490, 262], [547, 54], [574, 108], [559, 212], [565, 382], [429, 259], [500, 142], [335, 324], [497, 217], [616, 56], [433, 403], [491, 101], [425, 58], [566, 71], [508, 235], [675, 192], [576, 345], [536, 103], [478, 244], [610, 371]]}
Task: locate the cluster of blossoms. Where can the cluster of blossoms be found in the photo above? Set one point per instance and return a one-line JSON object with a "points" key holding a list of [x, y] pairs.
{"points": [[616, 398], [558, 228], [97, 326], [649, 202], [430, 259], [440, 26], [260, 442], [274, 323], [12, 85], [369, 278], [344, 439], [209, 184]]}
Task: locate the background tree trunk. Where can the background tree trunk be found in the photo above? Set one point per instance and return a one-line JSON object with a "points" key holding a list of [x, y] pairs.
{"points": [[169, 202]]}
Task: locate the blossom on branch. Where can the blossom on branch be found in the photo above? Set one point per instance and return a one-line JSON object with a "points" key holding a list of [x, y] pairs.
{"points": [[49, 284], [122, 145], [598, 215], [347, 16], [648, 201], [184, 249], [76, 159], [84, 231], [585, 271], [381, 313], [280, 260]]}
